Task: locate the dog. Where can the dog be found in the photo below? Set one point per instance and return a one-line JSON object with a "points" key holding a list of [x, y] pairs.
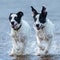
{"points": [[44, 30], [19, 32]]}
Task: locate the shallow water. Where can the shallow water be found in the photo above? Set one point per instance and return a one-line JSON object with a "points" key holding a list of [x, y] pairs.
{"points": [[9, 6], [32, 57]]}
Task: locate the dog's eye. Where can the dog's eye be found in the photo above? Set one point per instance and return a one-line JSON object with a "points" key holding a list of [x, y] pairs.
{"points": [[15, 18]]}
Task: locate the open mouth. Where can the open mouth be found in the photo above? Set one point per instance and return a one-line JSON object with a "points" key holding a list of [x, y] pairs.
{"points": [[38, 28], [13, 26]]}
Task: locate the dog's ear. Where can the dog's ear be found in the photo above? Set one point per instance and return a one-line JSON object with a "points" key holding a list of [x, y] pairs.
{"points": [[20, 14], [10, 16], [34, 12], [43, 11], [43, 15]]}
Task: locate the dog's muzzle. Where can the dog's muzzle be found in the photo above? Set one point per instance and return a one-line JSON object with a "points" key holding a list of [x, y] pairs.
{"points": [[12, 23], [15, 27], [39, 27]]}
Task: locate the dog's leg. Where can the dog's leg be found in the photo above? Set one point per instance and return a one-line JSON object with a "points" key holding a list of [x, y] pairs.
{"points": [[12, 53], [49, 40], [40, 48]]}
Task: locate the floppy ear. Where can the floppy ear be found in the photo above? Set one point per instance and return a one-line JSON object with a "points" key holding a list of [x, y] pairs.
{"points": [[20, 14], [34, 12], [10, 16]]}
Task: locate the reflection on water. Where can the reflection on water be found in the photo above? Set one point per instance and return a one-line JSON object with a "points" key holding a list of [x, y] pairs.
{"points": [[32, 57]]}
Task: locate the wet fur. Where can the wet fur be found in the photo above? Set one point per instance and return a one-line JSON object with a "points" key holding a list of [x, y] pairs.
{"points": [[44, 35]]}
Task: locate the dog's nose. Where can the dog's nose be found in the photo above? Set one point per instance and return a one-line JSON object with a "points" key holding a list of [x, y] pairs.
{"points": [[37, 25], [12, 23]]}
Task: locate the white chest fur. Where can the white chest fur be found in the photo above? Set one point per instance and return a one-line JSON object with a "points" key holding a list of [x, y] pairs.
{"points": [[41, 34], [20, 38], [44, 37]]}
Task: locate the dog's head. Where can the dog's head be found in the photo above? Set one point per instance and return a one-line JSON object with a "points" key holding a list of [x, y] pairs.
{"points": [[39, 18], [15, 20]]}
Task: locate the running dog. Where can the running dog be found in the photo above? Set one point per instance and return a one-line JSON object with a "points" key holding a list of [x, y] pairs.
{"points": [[44, 29], [20, 30]]}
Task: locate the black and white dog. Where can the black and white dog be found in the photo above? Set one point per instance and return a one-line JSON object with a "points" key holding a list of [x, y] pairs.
{"points": [[19, 32], [44, 30]]}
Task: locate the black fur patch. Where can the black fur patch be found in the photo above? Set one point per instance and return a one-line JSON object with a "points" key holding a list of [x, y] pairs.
{"points": [[18, 17], [43, 15], [34, 11], [10, 16]]}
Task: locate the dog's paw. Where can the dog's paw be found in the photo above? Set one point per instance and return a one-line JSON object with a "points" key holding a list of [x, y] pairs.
{"points": [[37, 54], [46, 52], [11, 54]]}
